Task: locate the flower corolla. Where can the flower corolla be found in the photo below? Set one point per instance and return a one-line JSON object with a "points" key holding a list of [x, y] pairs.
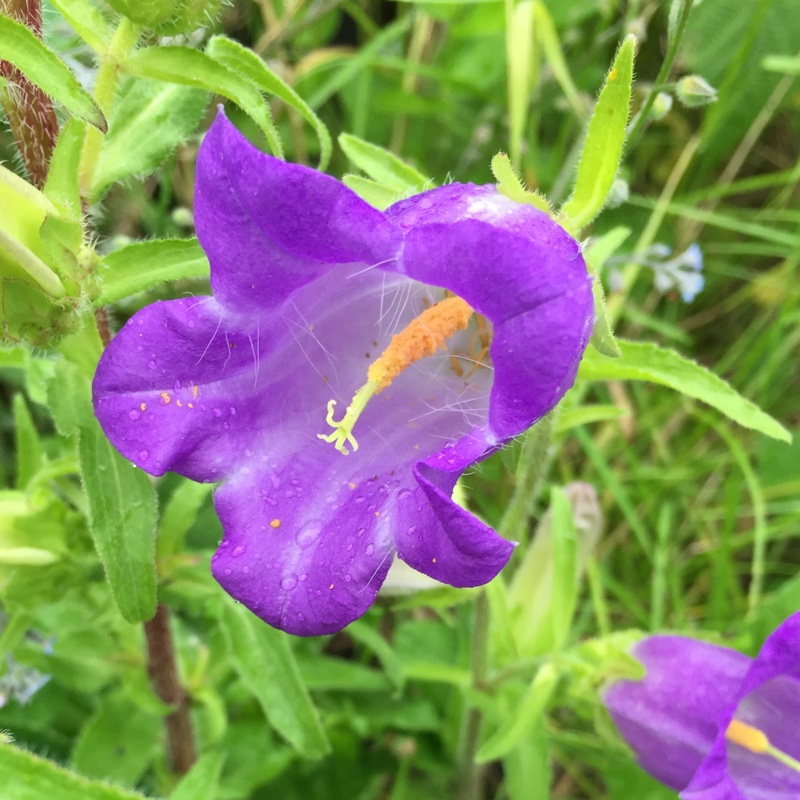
{"points": [[711, 722], [434, 331]]}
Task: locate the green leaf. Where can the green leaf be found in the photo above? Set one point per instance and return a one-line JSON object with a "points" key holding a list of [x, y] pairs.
{"points": [[565, 566], [122, 521], [376, 194], [179, 515], [264, 660], [192, 68], [148, 122], [46, 70], [602, 248], [572, 417], [648, 362], [787, 64], [382, 166], [602, 336], [62, 185], [117, 752], [87, 22], [546, 33], [142, 265], [511, 186], [29, 777], [202, 780], [239, 58], [69, 397], [29, 448], [602, 150], [516, 728], [523, 66]]}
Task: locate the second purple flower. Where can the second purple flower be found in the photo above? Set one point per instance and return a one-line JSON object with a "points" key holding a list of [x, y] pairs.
{"points": [[350, 365]]}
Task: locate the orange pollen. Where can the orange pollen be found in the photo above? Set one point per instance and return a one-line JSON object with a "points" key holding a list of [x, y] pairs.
{"points": [[747, 736], [421, 338]]}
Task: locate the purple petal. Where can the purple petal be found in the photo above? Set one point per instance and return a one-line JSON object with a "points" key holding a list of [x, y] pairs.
{"points": [[768, 698], [169, 386], [269, 227], [541, 315], [670, 717]]}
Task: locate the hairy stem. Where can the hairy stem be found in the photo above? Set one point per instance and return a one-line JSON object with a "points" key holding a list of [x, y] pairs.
{"points": [[163, 671], [29, 110]]}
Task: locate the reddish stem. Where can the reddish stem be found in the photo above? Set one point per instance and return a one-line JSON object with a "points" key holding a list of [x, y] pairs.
{"points": [[163, 672], [29, 110]]}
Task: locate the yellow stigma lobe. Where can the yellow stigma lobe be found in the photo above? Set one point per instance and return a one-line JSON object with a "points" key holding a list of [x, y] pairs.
{"points": [[422, 337], [747, 736]]}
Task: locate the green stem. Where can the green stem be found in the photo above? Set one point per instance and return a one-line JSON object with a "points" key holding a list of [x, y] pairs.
{"points": [[533, 465], [640, 120], [123, 41]]}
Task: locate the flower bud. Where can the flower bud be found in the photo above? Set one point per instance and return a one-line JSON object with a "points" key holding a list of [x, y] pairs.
{"points": [[662, 105], [695, 91]]}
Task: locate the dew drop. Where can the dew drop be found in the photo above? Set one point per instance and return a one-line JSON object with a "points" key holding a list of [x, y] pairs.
{"points": [[360, 500], [216, 412], [294, 482], [214, 557], [144, 455], [151, 364], [238, 550], [404, 494], [370, 549], [289, 583], [318, 592], [225, 425], [134, 414], [233, 411], [225, 543], [270, 502], [303, 577], [301, 617], [361, 531], [246, 569], [347, 578], [412, 530], [309, 533], [228, 571]]}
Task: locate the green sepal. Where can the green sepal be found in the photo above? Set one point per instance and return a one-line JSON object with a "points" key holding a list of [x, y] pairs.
{"points": [[509, 184]]}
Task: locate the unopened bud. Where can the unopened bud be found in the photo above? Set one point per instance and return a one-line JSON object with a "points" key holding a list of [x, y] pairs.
{"points": [[695, 91], [662, 105]]}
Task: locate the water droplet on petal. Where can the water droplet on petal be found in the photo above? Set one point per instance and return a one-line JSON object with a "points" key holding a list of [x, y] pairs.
{"points": [[370, 549], [151, 364], [289, 583], [412, 530], [228, 571], [216, 412], [347, 578], [270, 502], [225, 543], [144, 455], [134, 414], [309, 533], [404, 494], [303, 577], [246, 569], [233, 411], [360, 499], [238, 550]]}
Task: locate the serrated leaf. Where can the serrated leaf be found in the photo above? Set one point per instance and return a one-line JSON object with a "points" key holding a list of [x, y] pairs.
{"points": [[29, 777], [43, 68], [148, 122], [62, 185], [29, 448], [264, 661], [377, 195], [239, 58], [602, 150], [122, 521], [517, 725], [643, 361], [382, 166], [87, 22], [189, 67], [201, 781], [142, 265]]}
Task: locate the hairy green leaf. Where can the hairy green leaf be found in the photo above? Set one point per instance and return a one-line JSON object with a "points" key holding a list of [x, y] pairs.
{"points": [[45, 69], [122, 520], [150, 119], [142, 265], [189, 67], [246, 62], [382, 166], [649, 362], [602, 150], [264, 660]]}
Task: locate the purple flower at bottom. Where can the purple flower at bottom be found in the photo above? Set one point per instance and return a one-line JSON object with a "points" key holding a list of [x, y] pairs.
{"points": [[444, 326], [713, 723]]}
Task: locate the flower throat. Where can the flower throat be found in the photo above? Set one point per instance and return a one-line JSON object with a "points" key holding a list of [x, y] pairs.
{"points": [[421, 338]]}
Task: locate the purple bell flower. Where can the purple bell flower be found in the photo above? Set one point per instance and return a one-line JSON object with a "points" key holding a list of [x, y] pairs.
{"points": [[713, 723], [311, 285]]}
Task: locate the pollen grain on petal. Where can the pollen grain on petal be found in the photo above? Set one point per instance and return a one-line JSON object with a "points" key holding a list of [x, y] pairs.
{"points": [[276, 523]]}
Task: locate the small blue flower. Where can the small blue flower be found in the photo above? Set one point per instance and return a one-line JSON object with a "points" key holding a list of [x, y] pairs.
{"points": [[684, 272]]}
